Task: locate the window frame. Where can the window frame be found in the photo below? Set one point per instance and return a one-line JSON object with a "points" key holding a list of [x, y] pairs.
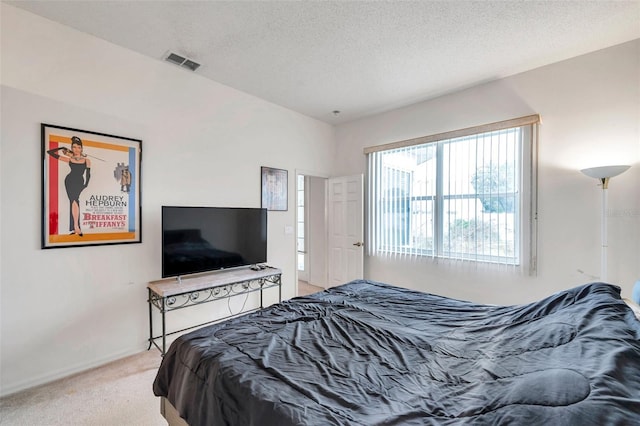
{"points": [[525, 235]]}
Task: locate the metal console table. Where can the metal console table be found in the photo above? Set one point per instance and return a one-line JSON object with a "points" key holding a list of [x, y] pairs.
{"points": [[177, 293]]}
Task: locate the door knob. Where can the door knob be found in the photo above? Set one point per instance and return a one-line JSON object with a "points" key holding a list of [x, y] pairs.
{"points": [[358, 244]]}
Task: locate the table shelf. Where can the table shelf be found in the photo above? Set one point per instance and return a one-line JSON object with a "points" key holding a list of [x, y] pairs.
{"points": [[182, 292]]}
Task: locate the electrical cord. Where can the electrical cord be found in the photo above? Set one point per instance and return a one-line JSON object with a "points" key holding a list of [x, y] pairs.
{"points": [[246, 297]]}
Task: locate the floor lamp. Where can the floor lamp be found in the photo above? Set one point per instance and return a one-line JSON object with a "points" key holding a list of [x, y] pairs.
{"points": [[603, 174]]}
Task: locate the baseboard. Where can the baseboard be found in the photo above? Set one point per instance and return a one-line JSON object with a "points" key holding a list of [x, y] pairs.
{"points": [[65, 372]]}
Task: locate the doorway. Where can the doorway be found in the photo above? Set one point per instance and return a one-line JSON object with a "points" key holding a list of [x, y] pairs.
{"points": [[311, 232]]}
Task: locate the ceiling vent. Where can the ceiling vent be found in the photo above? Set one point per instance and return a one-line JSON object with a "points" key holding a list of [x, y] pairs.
{"points": [[176, 59]]}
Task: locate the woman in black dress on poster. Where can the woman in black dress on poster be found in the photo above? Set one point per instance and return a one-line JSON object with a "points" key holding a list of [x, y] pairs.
{"points": [[75, 181]]}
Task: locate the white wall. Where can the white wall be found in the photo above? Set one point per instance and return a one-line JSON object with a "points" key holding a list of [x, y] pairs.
{"points": [[590, 110], [68, 309], [317, 232]]}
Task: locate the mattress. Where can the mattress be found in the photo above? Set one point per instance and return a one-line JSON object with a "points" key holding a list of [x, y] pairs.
{"points": [[369, 353]]}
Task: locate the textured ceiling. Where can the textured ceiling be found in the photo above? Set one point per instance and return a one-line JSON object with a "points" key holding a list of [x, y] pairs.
{"points": [[359, 57]]}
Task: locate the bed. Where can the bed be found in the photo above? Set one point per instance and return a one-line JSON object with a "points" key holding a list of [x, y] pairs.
{"points": [[369, 353]]}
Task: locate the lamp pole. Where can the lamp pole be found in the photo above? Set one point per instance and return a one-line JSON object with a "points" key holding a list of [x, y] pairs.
{"points": [[603, 231], [603, 174]]}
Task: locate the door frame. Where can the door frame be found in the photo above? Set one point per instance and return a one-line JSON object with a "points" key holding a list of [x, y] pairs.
{"points": [[313, 174]]}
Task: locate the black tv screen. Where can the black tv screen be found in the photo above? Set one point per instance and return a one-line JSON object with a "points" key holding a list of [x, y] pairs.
{"points": [[200, 239]]}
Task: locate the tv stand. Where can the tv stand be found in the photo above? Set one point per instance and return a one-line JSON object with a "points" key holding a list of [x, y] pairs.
{"points": [[184, 291]]}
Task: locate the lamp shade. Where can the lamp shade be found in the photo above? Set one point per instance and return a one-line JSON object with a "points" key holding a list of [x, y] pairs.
{"points": [[605, 172]]}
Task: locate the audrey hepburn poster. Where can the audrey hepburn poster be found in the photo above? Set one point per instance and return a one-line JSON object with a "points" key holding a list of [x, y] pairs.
{"points": [[90, 188]]}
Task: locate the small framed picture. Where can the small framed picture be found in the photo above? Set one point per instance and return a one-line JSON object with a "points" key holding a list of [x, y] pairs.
{"points": [[90, 188], [274, 189]]}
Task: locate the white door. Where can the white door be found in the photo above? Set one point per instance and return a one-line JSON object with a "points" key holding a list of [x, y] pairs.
{"points": [[346, 229]]}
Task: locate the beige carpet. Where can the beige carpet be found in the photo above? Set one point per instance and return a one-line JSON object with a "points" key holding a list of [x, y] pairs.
{"points": [[119, 393], [305, 288]]}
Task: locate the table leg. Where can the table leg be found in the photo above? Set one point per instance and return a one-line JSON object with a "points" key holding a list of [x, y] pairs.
{"points": [[150, 320], [261, 288], [164, 332]]}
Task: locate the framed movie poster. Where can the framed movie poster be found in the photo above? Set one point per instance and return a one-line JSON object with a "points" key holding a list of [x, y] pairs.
{"points": [[274, 189], [90, 188]]}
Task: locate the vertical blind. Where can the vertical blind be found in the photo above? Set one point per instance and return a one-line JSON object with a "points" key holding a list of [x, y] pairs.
{"points": [[467, 195]]}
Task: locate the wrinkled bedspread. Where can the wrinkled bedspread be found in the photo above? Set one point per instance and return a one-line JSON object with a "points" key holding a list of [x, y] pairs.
{"points": [[368, 353]]}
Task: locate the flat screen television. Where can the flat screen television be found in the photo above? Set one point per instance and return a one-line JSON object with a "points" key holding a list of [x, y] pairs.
{"points": [[201, 239]]}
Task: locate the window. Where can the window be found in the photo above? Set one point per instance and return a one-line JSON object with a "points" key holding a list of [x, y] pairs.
{"points": [[301, 213], [467, 195]]}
